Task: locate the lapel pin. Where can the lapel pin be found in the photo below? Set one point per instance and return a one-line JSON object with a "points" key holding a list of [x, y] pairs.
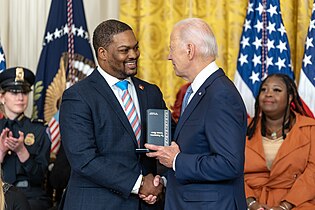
{"points": [[141, 87], [200, 93]]}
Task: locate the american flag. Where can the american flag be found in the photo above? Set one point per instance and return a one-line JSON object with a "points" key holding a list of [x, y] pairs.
{"points": [[2, 59], [307, 76], [54, 134], [264, 49], [2, 68], [66, 58]]}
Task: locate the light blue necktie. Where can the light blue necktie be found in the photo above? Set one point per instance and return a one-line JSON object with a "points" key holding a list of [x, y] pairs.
{"points": [[189, 91], [130, 109]]}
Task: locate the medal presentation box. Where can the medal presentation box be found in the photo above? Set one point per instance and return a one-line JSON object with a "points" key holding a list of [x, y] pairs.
{"points": [[158, 128]]}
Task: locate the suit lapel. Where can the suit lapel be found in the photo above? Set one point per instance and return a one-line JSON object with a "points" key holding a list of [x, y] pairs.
{"points": [[195, 100], [102, 87], [143, 105], [256, 145]]}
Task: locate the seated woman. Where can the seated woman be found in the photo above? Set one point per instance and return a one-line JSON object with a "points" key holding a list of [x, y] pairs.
{"points": [[11, 198], [280, 149], [24, 144]]}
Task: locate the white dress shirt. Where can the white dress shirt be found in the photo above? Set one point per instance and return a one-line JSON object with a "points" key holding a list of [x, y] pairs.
{"points": [[196, 84], [118, 93]]}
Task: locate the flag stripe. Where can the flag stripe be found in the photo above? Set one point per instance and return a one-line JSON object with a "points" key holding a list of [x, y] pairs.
{"points": [[307, 91], [307, 75], [247, 94]]}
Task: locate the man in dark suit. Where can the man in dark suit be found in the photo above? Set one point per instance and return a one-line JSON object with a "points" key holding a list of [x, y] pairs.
{"points": [[207, 161], [99, 140]]}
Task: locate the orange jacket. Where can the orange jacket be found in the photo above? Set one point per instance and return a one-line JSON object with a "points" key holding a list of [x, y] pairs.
{"points": [[292, 175]]}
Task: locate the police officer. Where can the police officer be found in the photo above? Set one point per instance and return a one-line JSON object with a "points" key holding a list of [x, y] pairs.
{"points": [[24, 144]]}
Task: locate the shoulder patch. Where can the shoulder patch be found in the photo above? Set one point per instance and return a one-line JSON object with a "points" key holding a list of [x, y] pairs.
{"points": [[39, 121]]}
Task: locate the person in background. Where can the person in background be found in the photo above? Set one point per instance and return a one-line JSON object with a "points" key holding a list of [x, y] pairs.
{"points": [[11, 198], [102, 123], [59, 176], [24, 144], [280, 149], [206, 159]]}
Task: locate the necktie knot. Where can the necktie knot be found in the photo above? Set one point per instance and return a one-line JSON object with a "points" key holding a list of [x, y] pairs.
{"points": [[123, 85], [10, 123], [189, 91]]}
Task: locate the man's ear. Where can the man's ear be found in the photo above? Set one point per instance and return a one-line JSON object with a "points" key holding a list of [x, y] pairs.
{"points": [[190, 51], [102, 53]]}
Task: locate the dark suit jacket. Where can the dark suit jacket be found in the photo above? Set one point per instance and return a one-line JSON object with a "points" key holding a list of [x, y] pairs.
{"points": [[211, 136], [14, 199], [100, 145]]}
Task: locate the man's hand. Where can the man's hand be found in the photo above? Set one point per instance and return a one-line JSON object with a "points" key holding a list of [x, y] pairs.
{"points": [[165, 154], [150, 186], [151, 199]]}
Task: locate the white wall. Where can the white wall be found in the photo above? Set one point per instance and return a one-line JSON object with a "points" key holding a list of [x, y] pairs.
{"points": [[23, 23]]}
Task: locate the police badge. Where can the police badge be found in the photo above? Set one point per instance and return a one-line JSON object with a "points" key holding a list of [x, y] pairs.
{"points": [[29, 139]]}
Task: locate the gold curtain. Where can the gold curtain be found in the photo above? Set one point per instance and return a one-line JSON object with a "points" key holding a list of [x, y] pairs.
{"points": [[153, 20]]}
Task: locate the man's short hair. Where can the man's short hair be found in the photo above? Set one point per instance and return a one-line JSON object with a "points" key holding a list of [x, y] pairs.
{"points": [[104, 32]]}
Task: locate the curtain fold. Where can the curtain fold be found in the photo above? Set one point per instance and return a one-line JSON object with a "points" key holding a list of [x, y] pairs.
{"points": [[153, 20]]}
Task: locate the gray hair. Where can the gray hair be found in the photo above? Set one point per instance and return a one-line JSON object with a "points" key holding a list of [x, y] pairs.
{"points": [[198, 32]]}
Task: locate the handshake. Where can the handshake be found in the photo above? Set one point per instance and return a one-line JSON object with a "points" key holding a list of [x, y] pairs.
{"points": [[151, 188]]}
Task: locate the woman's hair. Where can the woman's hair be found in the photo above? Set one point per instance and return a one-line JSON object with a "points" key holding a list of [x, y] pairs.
{"points": [[1, 192], [295, 105]]}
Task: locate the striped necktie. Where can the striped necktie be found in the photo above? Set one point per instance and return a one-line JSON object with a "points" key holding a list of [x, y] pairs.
{"points": [[189, 91], [130, 109]]}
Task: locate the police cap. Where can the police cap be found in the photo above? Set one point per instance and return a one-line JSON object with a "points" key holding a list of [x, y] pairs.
{"points": [[17, 79]]}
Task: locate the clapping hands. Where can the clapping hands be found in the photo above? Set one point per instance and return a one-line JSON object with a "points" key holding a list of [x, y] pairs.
{"points": [[12, 143], [8, 142]]}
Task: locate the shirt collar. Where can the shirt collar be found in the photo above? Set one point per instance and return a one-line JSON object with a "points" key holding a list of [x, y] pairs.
{"points": [[203, 76], [18, 119], [111, 80]]}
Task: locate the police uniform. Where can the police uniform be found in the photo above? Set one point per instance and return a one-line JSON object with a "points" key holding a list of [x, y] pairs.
{"points": [[14, 199], [28, 176]]}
